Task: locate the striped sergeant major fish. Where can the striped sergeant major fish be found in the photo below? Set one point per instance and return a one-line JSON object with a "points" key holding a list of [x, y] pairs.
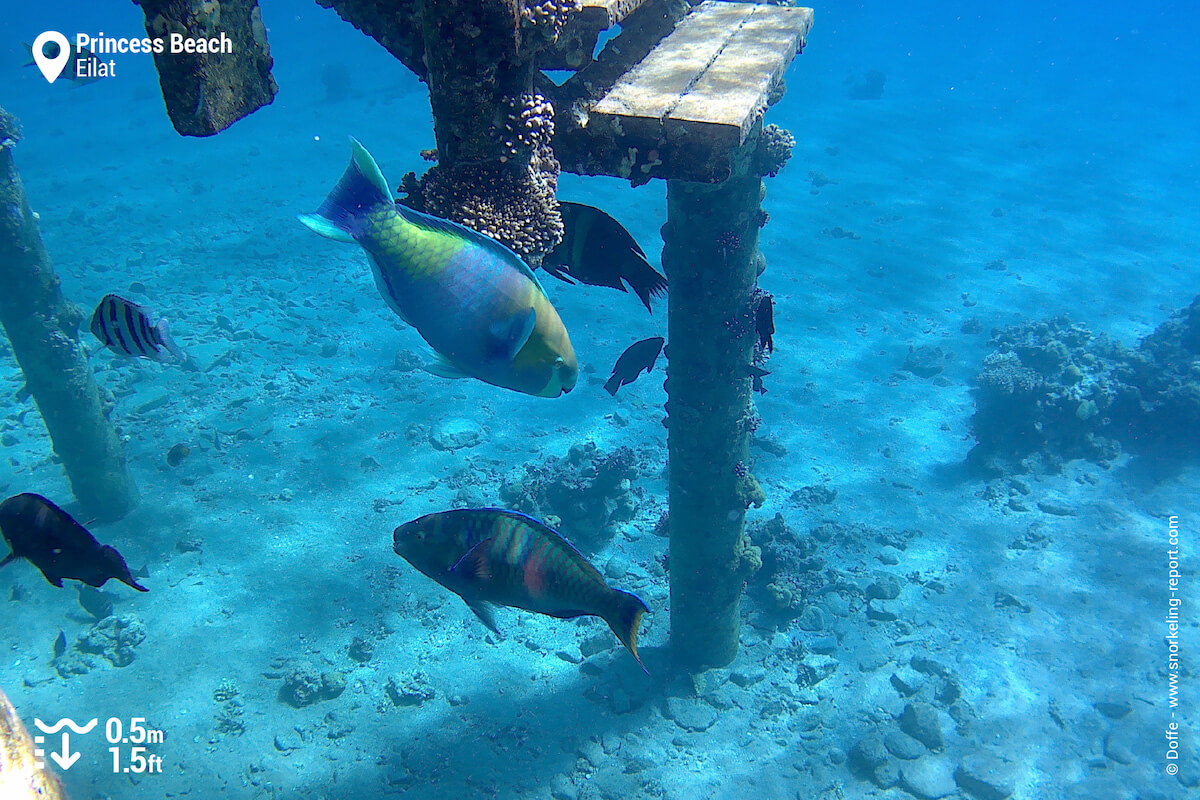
{"points": [[492, 556], [124, 327], [473, 300]]}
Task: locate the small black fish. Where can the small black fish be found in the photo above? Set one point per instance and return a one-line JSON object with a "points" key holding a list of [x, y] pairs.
{"points": [[48, 537], [60, 645], [177, 454], [97, 603], [124, 327], [598, 251], [637, 357], [764, 323], [756, 375]]}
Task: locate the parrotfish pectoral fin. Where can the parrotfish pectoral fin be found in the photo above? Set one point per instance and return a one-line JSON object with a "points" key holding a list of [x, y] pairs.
{"points": [[485, 614], [624, 619], [510, 335], [439, 365], [361, 188], [474, 567]]}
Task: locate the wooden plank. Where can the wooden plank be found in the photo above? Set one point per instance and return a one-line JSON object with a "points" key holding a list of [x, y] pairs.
{"points": [[693, 101], [731, 95], [653, 87]]}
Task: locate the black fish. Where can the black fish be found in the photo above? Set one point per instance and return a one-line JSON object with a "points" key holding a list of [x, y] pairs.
{"points": [[97, 603], [60, 547], [756, 375], [764, 323], [637, 357], [597, 251], [60, 645], [124, 327]]}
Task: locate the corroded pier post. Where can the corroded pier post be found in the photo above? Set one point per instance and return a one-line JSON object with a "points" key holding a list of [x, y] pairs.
{"points": [[710, 258], [208, 90], [43, 330]]}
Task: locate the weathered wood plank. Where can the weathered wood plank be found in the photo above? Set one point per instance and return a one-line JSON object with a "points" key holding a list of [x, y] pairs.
{"points": [[731, 95], [652, 88]]}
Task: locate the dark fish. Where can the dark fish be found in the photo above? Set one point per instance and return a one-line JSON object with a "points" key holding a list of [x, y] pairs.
{"points": [[764, 323], [756, 375], [177, 454], [83, 61], [60, 645], [493, 556], [598, 251], [97, 603], [47, 536], [637, 357], [124, 327]]}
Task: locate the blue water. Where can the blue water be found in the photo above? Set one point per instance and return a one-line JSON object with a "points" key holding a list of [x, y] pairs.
{"points": [[1057, 138]]}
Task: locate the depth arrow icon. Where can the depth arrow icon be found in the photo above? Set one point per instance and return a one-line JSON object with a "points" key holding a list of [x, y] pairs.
{"points": [[66, 758]]}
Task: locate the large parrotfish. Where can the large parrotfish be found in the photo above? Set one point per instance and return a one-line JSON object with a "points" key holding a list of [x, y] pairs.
{"points": [[475, 301], [493, 556]]}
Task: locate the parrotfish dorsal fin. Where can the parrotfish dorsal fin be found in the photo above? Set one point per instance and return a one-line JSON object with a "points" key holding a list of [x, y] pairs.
{"points": [[432, 223]]}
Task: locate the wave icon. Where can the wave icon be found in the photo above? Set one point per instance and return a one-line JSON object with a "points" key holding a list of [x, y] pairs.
{"points": [[65, 723]]}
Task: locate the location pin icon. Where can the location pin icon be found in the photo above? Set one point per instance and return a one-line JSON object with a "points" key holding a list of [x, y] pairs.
{"points": [[51, 67]]}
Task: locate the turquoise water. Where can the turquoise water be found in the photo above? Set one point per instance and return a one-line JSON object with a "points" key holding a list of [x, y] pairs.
{"points": [[1014, 164]]}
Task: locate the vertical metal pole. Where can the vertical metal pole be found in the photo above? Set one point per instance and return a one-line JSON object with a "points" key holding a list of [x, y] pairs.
{"points": [[710, 242], [43, 329]]}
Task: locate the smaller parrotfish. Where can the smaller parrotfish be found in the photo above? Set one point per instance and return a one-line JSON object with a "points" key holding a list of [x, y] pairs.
{"points": [[124, 327], [598, 251], [494, 556], [637, 357], [50, 539]]}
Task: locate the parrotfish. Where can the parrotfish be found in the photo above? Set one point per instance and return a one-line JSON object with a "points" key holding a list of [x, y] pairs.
{"points": [[637, 357], [51, 539], [473, 300], [494, 556], [598, 251], [124, 327]]}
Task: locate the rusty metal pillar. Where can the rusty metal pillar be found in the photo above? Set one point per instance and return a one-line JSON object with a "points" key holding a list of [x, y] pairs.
{"points": [[43, 329], [206, 92], [710, 257]]}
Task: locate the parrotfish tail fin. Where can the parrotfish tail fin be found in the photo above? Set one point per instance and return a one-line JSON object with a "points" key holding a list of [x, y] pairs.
{"points": [[361, 188], [164, 333], [624, 619], [612, 384]]}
